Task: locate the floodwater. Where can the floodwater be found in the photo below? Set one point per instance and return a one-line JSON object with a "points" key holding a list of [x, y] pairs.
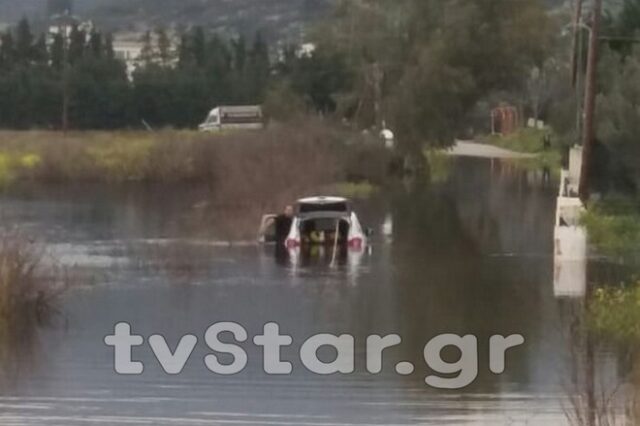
{"points": [[472, 254]]}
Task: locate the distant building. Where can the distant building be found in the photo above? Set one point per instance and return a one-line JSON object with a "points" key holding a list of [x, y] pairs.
{"points": [[129, 47], [306, 50], [505, 120], [59, 7], [65, 23]]}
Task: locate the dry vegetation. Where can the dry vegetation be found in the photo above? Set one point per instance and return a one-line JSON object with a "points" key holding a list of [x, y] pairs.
{"points": [[28, 286], [243, 167], [247, 173]]}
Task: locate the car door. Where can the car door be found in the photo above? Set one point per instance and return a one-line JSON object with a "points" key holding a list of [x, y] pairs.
{"points": [[267, 230]]}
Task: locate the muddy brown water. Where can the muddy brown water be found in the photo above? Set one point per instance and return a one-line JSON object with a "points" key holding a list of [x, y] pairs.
{"points": [[472, 255]]}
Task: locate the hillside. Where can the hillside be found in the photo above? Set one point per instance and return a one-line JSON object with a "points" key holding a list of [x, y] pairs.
{"points": [[12, 10], [276, 18]]}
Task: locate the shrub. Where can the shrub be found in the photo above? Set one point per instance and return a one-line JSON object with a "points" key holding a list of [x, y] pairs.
{"points": [[361, 190], [262, 170], [615, 313], [27, 286], [616, 235], [366, 160]]}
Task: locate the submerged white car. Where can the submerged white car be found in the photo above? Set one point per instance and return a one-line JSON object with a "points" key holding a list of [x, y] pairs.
{"points": [[320, 221]]}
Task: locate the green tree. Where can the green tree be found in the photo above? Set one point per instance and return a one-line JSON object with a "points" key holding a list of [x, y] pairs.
{"points": [[147, 53], [422, 65], [320, 78], [184, 55], [218, 71], [77, 44], [40, 51], [57, 52], [24, 41], [165, 53], [239, 47], [109, 52], [259, 70], [618, 118], [152, 94], [7, 51], [282, 103], [198, 46], [96, 46], [100, 94], [628, 20]]}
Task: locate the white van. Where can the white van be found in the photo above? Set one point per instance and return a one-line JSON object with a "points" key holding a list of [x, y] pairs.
{"points": [[233, 117]]}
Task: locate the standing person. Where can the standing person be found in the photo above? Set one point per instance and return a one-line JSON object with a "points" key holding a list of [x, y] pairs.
{"points": [[283, 224]]}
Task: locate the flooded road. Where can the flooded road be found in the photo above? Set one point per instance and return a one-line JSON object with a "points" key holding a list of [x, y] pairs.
{"points": [[470, 255]]}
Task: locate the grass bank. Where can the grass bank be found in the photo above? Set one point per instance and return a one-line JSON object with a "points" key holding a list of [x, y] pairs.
{"points": [[613, 308], [440, 165], [300, 154], [615, 313], [531, 141], [614, 318], [241, 175], [614, 229], [614, 232]]}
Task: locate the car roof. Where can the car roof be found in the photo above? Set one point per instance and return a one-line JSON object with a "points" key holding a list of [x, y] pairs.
{"points": [[237, 108], [322, 200], [324, 215]]}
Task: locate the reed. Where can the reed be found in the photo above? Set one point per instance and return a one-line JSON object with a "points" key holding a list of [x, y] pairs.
{"points": [[311, 150], [28, 287]]}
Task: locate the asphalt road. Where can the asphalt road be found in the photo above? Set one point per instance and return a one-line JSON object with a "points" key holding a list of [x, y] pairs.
{"points": [[478, 150]]}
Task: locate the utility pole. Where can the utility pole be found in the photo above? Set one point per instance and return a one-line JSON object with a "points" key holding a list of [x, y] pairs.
{"points": [[65, 33], [60, 11], [576, 60], [65, 95], [589, 131], [589, 135], [577, 65]]}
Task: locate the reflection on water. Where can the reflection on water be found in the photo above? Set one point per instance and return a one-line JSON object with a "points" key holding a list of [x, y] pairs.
{"points": [[473, 255]]}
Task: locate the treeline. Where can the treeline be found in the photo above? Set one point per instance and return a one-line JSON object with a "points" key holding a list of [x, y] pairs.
{"points": [[178, 88], [420, 66], [618, 108], [39, 76], [43, 80], [432, 70]]}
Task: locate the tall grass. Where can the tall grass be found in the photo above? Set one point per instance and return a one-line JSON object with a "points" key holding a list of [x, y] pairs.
{"points": [[614, 319], [524, 140], [28, 290], [247, 173], [282, 162], [614, 232], [614, 308], [311, 150], [117, 157], [27, 286], [440, 165]]}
